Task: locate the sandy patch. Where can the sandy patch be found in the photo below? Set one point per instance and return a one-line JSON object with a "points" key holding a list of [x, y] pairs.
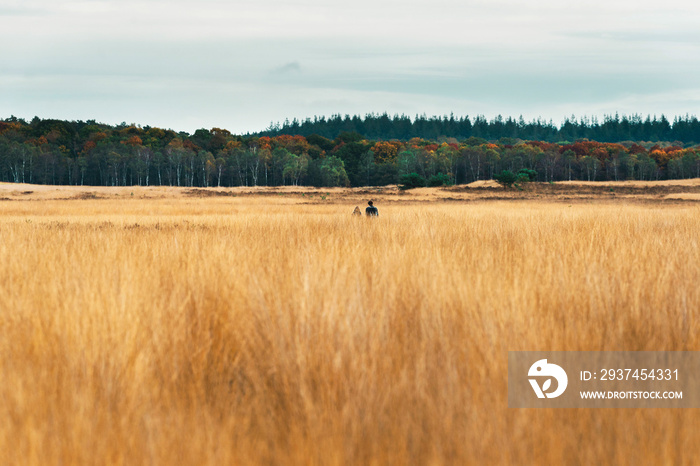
{"points": [[684, 196], [484, 184], [636, 184]]}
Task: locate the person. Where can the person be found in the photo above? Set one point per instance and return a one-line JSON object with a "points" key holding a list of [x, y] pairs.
{"points": [[357, 210], [371, 211]]}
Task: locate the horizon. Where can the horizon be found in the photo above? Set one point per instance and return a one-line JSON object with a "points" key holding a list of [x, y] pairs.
{"points": [[580, 120]]}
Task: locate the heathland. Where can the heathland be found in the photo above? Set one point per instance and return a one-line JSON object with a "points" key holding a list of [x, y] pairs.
{"points": [[270, 326]]}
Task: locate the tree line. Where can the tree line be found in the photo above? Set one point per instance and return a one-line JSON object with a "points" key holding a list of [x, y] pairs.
{"points": [[612, 128], [91, 153]]}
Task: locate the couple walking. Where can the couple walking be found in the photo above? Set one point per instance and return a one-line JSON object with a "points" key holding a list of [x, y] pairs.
{"points": [[370, 211]]}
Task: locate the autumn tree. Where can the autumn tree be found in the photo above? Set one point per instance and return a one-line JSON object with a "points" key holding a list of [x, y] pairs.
{"points": [[386, 152]]}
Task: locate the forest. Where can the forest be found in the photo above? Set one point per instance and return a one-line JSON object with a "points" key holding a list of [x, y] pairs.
{"points": [[345, 151], [613, 128]]}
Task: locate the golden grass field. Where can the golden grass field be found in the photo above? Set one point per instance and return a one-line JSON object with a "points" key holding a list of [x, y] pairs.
{"points": [[259, 326]]}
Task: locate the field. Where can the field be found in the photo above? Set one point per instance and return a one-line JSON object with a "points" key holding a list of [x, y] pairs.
{"points": [[269, 326]]}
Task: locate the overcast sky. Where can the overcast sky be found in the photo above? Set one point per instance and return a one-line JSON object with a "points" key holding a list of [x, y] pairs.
{"points": [[242, 64]]}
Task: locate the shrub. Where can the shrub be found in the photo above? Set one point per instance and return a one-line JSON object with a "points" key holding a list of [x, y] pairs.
{"points": [[440, 180], [506, 178], [526, 175], [413, 180]]}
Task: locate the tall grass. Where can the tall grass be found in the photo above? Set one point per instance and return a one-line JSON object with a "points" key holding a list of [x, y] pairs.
{"points": [[231, 331]]}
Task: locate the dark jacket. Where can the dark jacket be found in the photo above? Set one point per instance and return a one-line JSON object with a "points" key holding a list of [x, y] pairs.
{"points": [[371, 211]]}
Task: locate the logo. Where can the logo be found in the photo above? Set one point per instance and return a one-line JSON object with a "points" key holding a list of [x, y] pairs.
{"points": [[543, 369]]}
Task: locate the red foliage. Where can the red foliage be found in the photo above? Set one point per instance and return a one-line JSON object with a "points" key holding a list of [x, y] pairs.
{"points": [[187, 144], [582, 148], [89, 146], [336, 148], [636, 149]]}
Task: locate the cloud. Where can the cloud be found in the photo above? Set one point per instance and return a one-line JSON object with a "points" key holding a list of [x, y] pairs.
{"points": [[240, 63], [288, 68], [18, 10]]}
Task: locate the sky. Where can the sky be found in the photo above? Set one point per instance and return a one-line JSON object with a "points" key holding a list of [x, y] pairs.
{"points": [[241, 65]]}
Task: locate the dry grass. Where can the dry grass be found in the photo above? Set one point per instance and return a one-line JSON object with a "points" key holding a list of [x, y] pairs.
{"points": [[269, 330]]}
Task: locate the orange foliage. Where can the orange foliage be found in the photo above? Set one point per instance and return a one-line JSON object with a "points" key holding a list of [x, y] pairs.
{"points": [[131, 130], [8, 126], [98, 136], [176, 143], [294, 144], [232, 145], [38, 142], [415, 143], [385, 151], [265, 143], [133, 141], [661, 157], [677, 154]]}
